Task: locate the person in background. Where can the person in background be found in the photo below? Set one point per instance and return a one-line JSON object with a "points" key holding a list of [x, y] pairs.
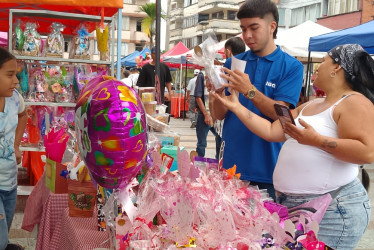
{"points": [[147, 78], [233, 47], [13, 121], [134, 75], [204, 122], [126, 80], [333, 135], [191, 99], [270, 76]]}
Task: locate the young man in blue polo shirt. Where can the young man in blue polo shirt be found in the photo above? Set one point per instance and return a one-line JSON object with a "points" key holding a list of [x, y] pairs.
{"points": [[271, 76]]}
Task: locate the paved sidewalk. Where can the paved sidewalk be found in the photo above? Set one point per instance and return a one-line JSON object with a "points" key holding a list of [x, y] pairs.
{"points": [[188, 140]]}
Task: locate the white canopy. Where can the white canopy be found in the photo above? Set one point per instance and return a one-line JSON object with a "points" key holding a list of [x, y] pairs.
{"points": [[295, 41]]}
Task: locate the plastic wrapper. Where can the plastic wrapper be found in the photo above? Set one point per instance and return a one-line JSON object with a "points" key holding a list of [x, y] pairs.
{"points": [[18, 38], [102, 42], [204, 55], [207, 211], [156, 124], [32, 44], [80, 44], [55, 41]]}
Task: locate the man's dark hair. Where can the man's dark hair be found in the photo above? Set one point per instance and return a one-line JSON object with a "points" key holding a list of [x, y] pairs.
{"points": [[126, 73], [236, 45], [259, 8]]}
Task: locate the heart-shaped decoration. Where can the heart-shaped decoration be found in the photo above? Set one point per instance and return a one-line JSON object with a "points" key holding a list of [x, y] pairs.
{"points": [[139, 146], [112, 143], [107, 125], [111, 171], [101, 160], [103, 95], [126, 95]]}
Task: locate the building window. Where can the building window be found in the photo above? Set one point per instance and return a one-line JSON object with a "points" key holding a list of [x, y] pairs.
{"points": [[342, 6], [219, 37], [203, 17], [231, 15], [138, 47], [139, 25], [217, 15], [127, 1], [125, 23]]}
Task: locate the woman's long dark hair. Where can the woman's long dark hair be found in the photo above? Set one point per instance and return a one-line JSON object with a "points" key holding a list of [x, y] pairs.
{"points": [[362, 79]]}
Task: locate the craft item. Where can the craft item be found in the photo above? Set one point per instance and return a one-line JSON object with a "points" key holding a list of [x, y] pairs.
{"points": [[53, 180], [81, 44], [102, 42], [18, 38], [31, 46], [55, 41], [111, 131]]}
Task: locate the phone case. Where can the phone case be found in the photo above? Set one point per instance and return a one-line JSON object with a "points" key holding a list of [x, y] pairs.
{"points": [[284, 114]]}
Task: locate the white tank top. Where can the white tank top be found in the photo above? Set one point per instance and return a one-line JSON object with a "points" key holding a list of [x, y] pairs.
{"points": [[304, 169]]}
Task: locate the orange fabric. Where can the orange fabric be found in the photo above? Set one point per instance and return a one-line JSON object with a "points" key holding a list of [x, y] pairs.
{"points": [[68, 6], [34, 164], [90, 3]]}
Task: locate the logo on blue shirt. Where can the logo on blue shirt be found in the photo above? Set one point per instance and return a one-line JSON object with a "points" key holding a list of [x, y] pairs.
{"points": [[270, 84]]}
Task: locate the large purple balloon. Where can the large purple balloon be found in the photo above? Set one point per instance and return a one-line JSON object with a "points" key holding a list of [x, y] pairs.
{"points": [[111, 131]]}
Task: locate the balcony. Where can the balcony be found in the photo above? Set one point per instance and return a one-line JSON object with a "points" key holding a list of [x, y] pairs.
{"points": [[219, 26], [176, 34], [176, 14], [210, 6]]}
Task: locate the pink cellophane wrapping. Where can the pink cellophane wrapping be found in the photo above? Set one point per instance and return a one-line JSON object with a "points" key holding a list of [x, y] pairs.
{"points": [[207, 212]]}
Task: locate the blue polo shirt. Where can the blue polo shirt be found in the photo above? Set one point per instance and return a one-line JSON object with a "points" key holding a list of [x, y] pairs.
{"points": [[278, 76]]}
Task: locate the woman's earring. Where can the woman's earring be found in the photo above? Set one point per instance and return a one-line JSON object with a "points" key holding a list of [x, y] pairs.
{"points": [[332, 74]]}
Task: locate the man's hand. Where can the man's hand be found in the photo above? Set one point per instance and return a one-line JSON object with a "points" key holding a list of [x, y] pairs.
{"points": [[18, 154], [208, 119], [237, 80]]}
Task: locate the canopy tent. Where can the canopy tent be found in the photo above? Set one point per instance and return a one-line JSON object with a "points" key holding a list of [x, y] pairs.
{"points": [[178, 49], [70, 6], [295, 40], [362, 34], [129, 60]]}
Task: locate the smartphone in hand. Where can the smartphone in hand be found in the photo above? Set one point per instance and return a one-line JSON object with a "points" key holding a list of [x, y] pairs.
{"points": [[284, 114]]}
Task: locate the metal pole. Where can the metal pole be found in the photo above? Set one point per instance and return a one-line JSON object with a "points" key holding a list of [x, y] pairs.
{"points": [[119, 38], [185, 91], [306, 94], [157, 40]]}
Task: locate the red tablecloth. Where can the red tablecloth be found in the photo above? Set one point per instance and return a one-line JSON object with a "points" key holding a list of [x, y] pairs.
{"points": [[177, 106], [57, 230]]}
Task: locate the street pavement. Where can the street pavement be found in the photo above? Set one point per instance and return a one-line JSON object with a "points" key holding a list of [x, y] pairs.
{"points": [[188, 141]]}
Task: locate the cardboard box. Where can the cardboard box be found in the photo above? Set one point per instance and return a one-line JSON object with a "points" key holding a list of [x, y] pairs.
{"points": [[172, 151], [150, 107], [53, 180], [82, 198]]}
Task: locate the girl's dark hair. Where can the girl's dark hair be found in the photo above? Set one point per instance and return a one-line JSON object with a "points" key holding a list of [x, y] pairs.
{"points": [[236, 44], [5, 56], [363, 74], [259, 8]]}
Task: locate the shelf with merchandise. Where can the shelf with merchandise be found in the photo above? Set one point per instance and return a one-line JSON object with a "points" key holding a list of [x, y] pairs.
{"points": [[51, 104], [57, 59]]}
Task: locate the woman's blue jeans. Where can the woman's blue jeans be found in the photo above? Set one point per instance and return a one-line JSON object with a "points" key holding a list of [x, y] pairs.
{"points": [[345, 220], [7, 208]]}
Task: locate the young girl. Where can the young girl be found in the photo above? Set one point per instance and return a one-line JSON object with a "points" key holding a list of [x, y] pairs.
{"points": [[12, 125]]}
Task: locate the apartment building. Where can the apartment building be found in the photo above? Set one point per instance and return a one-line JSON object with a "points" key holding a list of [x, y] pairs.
{"points": [[189, 19]]}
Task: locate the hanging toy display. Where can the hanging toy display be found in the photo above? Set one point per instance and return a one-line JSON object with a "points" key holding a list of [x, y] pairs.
{"points": [[55, 41], [81, 44], [18, 38], [102, 42], [31, 46]]}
